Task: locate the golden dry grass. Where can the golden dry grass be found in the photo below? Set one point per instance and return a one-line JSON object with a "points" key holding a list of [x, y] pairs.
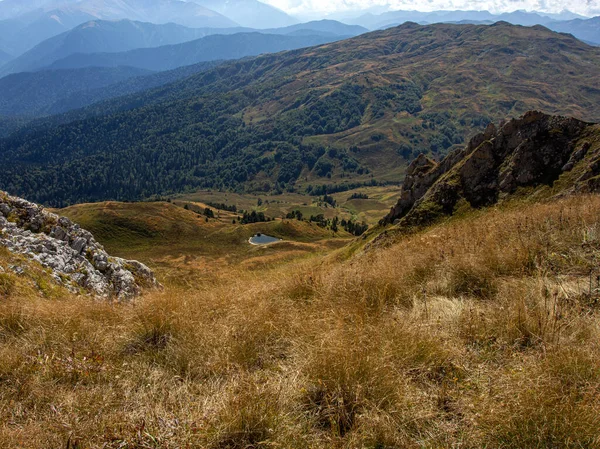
{"points": [[481, 332]]}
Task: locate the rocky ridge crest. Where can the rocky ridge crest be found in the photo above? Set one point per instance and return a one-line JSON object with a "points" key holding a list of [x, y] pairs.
{"points": [[75, 258], [530, 152]]}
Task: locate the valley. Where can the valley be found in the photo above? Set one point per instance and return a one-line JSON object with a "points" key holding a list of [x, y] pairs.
{"points": [[225, 225], [348, 113]]}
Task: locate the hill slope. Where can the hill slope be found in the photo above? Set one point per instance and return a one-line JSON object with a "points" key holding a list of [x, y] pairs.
{"points": [[101, 36], [266, 123], [209, 48], [126, 87], [34, 93], [536, 154]]}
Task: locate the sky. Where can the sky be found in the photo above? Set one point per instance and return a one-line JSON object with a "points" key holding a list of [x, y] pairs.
{"points": [[305, 7]]}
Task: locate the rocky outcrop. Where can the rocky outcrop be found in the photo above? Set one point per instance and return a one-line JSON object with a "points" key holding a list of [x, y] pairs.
{"points": [[535, 150], [75, 258]]}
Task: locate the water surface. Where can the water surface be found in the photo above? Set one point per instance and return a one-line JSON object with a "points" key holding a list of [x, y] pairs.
{"points": [[262, 239]]}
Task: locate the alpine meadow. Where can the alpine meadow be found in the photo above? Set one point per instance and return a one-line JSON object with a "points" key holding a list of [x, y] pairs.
{"points": [[251, 225]]}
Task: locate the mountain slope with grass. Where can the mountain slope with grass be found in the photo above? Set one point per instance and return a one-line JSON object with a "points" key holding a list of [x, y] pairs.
{"points": [[478, 332], [534, 156], [342, 114]]}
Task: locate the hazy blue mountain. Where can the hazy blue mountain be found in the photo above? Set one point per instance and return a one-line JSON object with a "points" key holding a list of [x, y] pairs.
{"points": [[332, 27], [385, 20], [376, 21], [250, 13], [4, 57], [155, 11], [215, 47], [563, 15], [524, 18], [585, 30], [31, 94], [25, 32], [101, 36], [13, 8]]}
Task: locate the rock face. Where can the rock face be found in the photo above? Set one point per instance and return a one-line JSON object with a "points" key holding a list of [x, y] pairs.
{"points": [[75, 258], [533, 151]]}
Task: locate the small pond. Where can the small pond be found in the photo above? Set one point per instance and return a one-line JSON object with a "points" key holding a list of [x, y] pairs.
{"points": [[262, 239]]}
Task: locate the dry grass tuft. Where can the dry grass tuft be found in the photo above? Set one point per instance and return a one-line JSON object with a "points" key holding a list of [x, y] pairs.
{"points": [[480, 332]]}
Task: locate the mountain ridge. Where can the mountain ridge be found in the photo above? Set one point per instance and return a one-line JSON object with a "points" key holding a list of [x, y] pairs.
{"points": [[209, 48], [339, 114], [100, 35]]}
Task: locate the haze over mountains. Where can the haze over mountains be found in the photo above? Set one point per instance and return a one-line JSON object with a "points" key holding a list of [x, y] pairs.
{"points": [[110, 37], [101, 36], [209, 48]]}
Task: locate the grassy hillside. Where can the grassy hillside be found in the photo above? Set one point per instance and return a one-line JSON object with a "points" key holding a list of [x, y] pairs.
{"points": [[479, 332], [183, 246], [349, 112]]}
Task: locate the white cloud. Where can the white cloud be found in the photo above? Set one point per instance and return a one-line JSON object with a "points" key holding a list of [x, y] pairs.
{"points": [[301, 7]]}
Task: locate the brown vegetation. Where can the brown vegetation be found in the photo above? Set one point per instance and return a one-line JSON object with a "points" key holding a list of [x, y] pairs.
{"points": [[479, 332]]}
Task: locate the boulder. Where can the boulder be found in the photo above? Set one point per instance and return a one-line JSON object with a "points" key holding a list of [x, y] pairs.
{"points": [[76, 259]]}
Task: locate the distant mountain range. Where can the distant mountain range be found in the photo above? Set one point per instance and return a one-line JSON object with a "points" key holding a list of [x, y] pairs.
{"points": [[344, 113], [394, 18], [155, 11], [102, 43], [62, 86], [581, 27], [210, 48], [586, 30], [101, 36], [81, 79], [250, 13], [26, 23], [25, 32]]}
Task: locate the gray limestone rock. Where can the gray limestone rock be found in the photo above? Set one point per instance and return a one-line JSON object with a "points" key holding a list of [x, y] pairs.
{"points": [[75, 258]]}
